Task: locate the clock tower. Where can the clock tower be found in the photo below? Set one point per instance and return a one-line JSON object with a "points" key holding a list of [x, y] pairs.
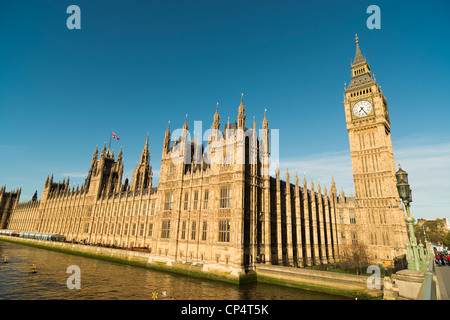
{"points": [[379, 212]]}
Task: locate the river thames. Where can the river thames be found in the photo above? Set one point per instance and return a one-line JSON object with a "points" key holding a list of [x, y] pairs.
{"points": [[104, 280]]}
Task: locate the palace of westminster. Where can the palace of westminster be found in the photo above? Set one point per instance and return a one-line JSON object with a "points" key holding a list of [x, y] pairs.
{"points": [[222, 208]]}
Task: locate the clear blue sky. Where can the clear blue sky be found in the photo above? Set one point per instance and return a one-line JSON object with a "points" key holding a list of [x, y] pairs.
{"points": [[135, 65]]}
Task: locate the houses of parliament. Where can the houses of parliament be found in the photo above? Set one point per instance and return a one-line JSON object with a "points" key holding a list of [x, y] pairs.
{"points": [[218, 206]]}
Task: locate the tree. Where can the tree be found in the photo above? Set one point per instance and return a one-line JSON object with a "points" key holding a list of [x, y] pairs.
{"points": [[446, 240], [355, 255], [435, 231]]}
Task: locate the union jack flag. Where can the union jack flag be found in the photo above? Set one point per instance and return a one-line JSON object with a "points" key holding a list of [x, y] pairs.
{"points": [[115, 136]]}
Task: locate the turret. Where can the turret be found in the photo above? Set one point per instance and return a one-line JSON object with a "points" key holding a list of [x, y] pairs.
{"points": [[142, 175], [92, 168], [342, 197], [241, 114], [216, 122], [333, 190], [265, 123], [103, 153], [95, 155], [166, 146], [119, 156], [34, 198]]}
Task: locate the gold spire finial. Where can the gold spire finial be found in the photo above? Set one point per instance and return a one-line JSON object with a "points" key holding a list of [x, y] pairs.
{"points": [[356, 38]]}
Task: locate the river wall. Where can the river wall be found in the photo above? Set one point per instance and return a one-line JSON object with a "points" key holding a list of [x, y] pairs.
{"points": [[322, 281]]}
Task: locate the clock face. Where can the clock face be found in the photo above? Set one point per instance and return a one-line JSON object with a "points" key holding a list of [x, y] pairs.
{"points": [[362, 108]]}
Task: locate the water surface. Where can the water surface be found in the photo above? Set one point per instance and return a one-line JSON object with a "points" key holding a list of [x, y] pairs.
{"points": [[104, 280]]}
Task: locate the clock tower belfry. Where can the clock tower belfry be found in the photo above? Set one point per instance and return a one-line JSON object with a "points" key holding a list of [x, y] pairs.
{"points": [[379, 209]]}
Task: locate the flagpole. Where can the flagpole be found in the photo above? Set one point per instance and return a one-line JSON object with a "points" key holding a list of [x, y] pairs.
{"points": [[110, 139]]}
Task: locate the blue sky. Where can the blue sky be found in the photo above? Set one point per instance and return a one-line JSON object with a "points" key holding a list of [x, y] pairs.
{"points": [[135, 65]]}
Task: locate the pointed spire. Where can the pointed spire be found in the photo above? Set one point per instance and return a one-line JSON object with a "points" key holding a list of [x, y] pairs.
{"points": [[358, 55], [119, 156], [145, 155], [241, 113], [103, 149], [254, 124], [265, 123], [166, 145], [168, 129], [216, 122], [185, 126], [241, 106]]}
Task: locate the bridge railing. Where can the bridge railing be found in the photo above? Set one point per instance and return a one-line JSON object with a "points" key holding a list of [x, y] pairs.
{"points": [[428, 290]]}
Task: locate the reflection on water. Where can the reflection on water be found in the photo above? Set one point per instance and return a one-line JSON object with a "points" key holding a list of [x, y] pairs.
{"points": [[103, 280]]}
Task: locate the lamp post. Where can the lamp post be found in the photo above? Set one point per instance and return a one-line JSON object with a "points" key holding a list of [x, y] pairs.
{"points": [[405, 193], [429, 248]]}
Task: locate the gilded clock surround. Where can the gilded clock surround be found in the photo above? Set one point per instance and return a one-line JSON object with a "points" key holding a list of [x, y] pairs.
{"points": [[371, 114]]}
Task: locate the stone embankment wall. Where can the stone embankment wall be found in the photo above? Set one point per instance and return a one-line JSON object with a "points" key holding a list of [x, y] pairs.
{"points": [[324, 281]]}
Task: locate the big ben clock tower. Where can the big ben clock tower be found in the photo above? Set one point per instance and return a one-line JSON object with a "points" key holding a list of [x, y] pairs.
{"points": [[379, 212]]}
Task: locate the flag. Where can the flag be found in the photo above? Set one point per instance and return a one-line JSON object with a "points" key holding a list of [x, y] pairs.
{"points": [[115, 136]]}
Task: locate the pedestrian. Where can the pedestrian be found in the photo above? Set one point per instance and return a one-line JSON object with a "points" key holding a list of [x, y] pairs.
{"points": [[437, 257]]}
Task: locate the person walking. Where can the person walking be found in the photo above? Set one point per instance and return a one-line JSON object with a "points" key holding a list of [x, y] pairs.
{"points": [[437, 257]]}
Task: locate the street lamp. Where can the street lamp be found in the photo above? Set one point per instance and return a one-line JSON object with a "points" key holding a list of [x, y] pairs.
{"points": [[403, 188], [416, 261]]}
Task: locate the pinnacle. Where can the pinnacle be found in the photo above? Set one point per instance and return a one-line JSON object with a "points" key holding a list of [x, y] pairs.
{"points": [[358, 55]]}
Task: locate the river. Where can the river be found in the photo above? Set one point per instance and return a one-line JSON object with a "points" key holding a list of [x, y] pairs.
{"points": [[104, 280]]}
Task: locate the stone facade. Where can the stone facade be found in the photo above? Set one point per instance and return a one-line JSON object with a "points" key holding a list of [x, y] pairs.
{"points": [[7, 202], [217, 205]]}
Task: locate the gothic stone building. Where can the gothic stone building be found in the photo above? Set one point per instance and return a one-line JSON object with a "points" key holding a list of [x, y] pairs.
{"points": [[217, 205]]}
